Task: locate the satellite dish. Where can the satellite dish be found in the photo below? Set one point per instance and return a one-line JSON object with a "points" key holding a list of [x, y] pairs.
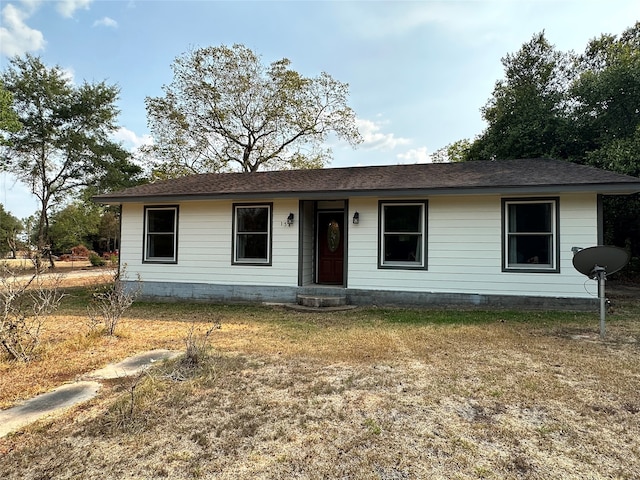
{"points": [[597, 263], [612, 259]]}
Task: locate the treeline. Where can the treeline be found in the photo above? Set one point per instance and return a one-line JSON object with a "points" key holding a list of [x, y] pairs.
{"points": [[80, 223]]}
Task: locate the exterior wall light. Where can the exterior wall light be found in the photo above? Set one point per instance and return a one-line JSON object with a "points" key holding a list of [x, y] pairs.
{"points": [[290, 219], [356, 218]]}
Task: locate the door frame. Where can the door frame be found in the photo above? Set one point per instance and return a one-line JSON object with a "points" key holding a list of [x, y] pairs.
{"points": [[316, 232]]}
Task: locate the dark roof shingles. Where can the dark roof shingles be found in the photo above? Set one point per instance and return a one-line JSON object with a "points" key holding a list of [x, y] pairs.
{"points": [[437, 176]]}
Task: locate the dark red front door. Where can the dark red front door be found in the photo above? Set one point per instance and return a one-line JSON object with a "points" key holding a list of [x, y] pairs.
{"points": [[330, 247]]}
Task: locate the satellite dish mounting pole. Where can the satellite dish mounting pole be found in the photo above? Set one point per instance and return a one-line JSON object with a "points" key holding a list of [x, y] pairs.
{"points": [[589, 261], [601, 274]]}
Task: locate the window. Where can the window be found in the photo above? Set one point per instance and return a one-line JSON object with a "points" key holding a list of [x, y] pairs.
{"points": [[161, 234], [530, 235], [252, 234], [402, 241]]}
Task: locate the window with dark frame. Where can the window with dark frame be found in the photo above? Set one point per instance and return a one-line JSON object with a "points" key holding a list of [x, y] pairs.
{"points": [[252, 234], [161, 233], [403, 234], [531, 238]]}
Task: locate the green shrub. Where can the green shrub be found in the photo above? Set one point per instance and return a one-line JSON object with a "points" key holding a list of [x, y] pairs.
{"points": [[96, 260]]}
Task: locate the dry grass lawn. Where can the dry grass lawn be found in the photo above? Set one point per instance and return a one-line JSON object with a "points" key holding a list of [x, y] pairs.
{"points": [[365, 394]]}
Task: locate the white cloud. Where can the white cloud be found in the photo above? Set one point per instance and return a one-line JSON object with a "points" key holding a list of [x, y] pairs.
{"points": [[16, 37], [106, 22], [416, 155], [568, 24], [67, 8], [131, 140], [384, 19], [375, 139]]}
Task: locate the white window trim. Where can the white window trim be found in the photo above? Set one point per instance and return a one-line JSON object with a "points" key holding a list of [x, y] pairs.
{"points": [[422, 264], [252, 261], [147, 236], [553, 267]]}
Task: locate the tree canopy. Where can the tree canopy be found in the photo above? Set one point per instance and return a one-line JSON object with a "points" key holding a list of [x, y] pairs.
{"points": [[10, 227], [9, 121], [454, 152], [64, 144], [527, 113], [75, 224], [582, 108], [225, 110], [607, 95]]}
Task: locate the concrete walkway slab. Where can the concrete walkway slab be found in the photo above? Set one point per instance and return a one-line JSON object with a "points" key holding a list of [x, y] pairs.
{"points": [[131, 365], [46, 404], [66, 396]]}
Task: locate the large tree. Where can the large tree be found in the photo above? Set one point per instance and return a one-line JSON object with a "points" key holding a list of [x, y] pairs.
{"points": [[225, 110], [526, 115], [580, 108], [64, 144]]}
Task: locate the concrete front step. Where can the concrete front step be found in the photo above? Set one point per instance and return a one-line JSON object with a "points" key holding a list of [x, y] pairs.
{"points": [[322, 301]]}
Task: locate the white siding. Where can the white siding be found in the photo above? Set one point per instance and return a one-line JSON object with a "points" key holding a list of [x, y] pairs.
{"points": [[464, 250], [205, 246]]}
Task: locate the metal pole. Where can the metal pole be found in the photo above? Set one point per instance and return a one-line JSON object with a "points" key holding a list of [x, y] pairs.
{"points": [[603, 301]]}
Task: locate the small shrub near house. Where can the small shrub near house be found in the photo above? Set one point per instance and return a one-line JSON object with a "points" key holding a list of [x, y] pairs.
{"points": [[110, 302], [198, 344]]}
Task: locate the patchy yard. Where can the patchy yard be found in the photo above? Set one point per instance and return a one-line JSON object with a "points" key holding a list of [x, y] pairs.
{"points": [[366, 394]]}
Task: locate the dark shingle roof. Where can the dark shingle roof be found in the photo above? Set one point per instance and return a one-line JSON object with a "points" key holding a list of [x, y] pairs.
{"points": [[504, 176]]}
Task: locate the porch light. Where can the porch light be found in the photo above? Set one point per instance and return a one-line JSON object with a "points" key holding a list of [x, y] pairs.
{"points": [[290, 219], [356, 218]]}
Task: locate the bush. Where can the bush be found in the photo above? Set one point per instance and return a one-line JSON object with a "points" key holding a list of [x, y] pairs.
{"points": [[96, 260], [111, 301], [24, 306], [197, 344]]}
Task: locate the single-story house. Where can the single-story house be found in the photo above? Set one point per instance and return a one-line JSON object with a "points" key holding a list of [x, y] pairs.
{"points": [[495, 233]]}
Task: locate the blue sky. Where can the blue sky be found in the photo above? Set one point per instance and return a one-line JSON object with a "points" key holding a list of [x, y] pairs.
{"points": [[419, 72]]}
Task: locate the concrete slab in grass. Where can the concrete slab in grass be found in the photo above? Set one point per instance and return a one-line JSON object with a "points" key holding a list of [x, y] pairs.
{"points": [[131, 365], [53, 402], [67, 396]]}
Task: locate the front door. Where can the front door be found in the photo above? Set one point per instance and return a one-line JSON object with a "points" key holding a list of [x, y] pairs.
{"points": [[330, 243]]}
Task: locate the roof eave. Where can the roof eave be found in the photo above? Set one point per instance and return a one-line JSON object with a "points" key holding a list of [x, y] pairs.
{"points": [[605, 189]]}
